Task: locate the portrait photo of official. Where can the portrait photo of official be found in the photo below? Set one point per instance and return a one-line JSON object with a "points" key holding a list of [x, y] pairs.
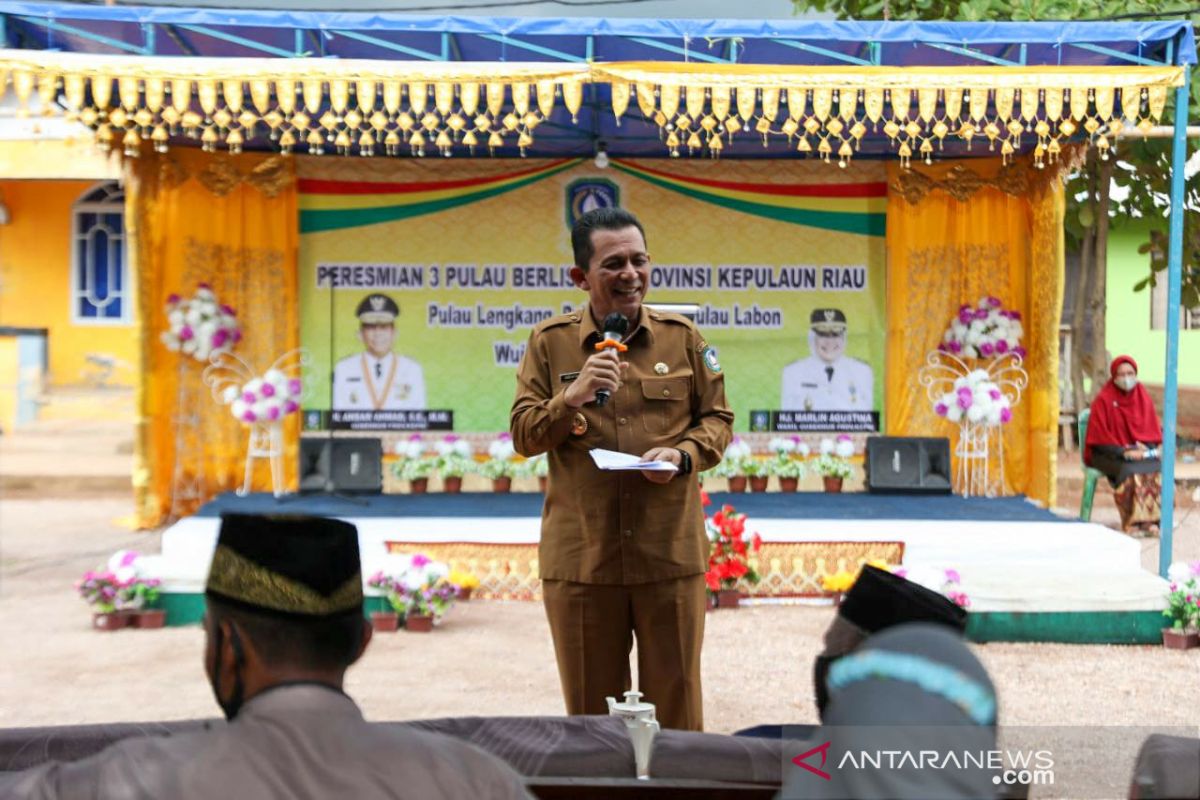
{"points": [[828, 380], [378, 378]]}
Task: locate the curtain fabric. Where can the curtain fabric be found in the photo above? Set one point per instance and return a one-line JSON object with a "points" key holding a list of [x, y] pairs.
{"points": [[944, 251], [230, 222]]}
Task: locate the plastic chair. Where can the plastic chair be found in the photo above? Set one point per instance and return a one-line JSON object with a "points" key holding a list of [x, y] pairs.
{"points": [[1090, 476]]}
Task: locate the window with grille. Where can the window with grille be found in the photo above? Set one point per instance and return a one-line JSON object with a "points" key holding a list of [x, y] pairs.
{"points": [[100, 292]]}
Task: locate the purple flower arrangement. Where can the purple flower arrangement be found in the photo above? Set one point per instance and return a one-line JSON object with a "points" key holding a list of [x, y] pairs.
{"points": [[975, 399], [987, 330], [266, 399], [199, 326]]}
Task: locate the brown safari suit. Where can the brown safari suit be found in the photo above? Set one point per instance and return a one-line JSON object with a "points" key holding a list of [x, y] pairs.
{"points": [[620, 555]]}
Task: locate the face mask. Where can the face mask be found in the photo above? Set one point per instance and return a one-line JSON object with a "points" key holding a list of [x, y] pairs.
{"points": [[1128, 383], [231, 706]]}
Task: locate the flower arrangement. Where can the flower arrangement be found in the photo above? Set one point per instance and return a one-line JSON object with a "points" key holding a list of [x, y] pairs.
{"points": [[269, 398], [1183, 596], [199, 326], [789, 452], [120, 586], [414, 464], [537, 467], [977, 398], [729, 550], [840, 582], [464, 582], [422, 588], [455, 457], [735, 460], [833, 462], [944, 581], [501, 461], [986, 331]]}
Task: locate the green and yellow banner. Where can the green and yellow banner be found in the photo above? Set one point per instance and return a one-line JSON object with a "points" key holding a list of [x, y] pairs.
{"points": [[420, 280]]}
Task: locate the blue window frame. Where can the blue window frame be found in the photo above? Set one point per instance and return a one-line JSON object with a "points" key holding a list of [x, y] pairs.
{"points": [[100, 292]]}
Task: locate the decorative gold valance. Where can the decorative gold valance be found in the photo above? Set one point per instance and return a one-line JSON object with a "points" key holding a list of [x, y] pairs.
{"points": [[828, 110], [358, 106], [371, 104]]}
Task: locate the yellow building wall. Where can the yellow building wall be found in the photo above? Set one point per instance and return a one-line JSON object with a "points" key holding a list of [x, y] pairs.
{"points": [[9, 376], [35, 281]]}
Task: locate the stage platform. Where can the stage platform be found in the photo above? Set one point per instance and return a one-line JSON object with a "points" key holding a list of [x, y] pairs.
{"points": [[1031, 576]]}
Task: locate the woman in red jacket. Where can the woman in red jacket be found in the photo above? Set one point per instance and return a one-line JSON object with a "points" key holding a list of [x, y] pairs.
{"points": [[1123, 441]]}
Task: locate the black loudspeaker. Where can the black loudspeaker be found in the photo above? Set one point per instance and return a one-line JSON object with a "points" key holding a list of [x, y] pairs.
{"points": [[908, 464], [341, 465]]}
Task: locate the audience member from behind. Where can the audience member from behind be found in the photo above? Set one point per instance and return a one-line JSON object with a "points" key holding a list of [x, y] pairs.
{"points": [[1123, 442], [912, 689], [879, 600], [284, 622]]}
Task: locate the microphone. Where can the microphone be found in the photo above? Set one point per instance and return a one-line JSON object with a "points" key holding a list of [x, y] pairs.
{"points": [[615, 325]]}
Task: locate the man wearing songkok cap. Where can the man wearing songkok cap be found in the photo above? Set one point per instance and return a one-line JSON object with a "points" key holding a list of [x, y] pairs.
{"points": [[880, 599], [828, 380], [284, 621], [378, 379]]}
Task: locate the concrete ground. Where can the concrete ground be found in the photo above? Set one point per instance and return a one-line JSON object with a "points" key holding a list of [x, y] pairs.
{"points": [[65, 506], [491, 658]]}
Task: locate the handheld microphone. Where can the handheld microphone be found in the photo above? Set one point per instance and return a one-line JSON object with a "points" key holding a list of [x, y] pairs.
{"points": [[615, 325]]}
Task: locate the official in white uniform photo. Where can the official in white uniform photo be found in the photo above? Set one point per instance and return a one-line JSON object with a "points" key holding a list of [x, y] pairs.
{"points": [[828, 380], [378, 379]]}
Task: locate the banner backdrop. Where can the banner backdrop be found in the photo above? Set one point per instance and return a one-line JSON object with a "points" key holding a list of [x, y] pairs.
{"points": [[420, 280]]}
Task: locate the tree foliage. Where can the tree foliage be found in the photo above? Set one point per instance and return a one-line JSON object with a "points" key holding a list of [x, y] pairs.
{"points": [[1134, 183]]}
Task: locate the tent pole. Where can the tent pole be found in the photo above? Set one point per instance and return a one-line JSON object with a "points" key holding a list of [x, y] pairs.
{"points": [[1174, 264]]}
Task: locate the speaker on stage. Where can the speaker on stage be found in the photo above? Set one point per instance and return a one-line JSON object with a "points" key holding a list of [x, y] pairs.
{"points": [[341, 465], [908, 464]]}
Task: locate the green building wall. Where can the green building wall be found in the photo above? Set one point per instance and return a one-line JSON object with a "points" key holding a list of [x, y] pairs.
{"points": [[1128, 324]]}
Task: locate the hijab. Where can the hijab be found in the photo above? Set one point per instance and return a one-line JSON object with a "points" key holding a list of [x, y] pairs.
{"points": [[1120, 418]]}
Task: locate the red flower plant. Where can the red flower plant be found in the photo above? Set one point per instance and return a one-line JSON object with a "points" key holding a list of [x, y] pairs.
{"points": [[729, 550]]}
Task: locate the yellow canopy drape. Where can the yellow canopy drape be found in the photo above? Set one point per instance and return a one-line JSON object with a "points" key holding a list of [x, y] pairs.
{"points": [[229, 221], [955, 234]]}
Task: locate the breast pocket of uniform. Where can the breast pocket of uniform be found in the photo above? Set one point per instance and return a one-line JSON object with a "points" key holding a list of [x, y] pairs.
{"points": [[667, 411]]}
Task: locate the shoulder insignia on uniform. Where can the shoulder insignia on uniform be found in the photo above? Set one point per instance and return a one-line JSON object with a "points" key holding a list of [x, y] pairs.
{"points": [[700, 348], [710, 359]]}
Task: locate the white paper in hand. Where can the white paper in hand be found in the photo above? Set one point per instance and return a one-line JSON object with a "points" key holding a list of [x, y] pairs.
{"points": [[612, 460]]}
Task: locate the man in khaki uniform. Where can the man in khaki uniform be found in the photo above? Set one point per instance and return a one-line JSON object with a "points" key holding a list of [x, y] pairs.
{"points": [[284, 621], [623, 554]]}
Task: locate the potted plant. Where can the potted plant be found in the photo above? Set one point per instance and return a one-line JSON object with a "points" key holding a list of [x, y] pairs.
{"points": [[1183, 607], [121, 595], [500, 465], [833, 465], [539, 467], [386, 621], [729, 557], [454, 460], [426, 593], [100, 590], [787, 464], [757, 472], [465, 582], [733, 464], [414, 465]]}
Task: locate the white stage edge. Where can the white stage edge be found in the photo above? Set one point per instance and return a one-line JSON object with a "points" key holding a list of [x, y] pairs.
{"points": [[1005, 566]]}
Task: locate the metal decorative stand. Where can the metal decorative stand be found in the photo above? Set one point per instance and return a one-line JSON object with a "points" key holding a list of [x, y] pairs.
{"points": [[979, 471], [187, 482], [265, 439]]}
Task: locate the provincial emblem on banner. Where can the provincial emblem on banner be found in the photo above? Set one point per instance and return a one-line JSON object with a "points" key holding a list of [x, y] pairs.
{"points": [[587, 194]]}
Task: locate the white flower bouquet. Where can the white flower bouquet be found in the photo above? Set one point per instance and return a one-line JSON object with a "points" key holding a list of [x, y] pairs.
{"points": [[200, 326], [986, 331]]}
